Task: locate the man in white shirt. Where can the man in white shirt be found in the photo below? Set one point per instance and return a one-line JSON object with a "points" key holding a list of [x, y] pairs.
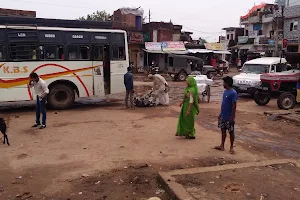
{"points": [[41, 90]]}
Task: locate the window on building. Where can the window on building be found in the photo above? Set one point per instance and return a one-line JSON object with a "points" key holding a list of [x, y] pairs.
{"points": [[294, 26], [228, 37], [231, 36], [247, 33], [260, 32], [118, 53], [292, 48]]}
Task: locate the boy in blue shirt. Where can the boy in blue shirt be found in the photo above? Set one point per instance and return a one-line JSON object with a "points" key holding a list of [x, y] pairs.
{"points": [[226, 119], [128, 82]]}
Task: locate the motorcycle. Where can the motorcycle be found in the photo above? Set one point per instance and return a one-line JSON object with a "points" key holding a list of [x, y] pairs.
{"points": [[154, 69], [219, 70]]}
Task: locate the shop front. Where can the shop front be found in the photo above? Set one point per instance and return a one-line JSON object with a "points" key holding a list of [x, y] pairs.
{"points": [[135, 50], [157, 52]]}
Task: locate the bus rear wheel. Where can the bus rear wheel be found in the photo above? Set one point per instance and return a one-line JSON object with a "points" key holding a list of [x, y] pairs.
{"points": [[61, 96]]}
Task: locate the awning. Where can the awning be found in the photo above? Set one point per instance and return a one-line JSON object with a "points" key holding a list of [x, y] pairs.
{"points": [[246, 46], [154, 51], [222, 52], [177, 52], [238, 46], [199, 51]]}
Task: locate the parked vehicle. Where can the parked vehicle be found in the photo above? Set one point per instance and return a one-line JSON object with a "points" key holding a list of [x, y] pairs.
{"points": [[154, 69], [204, 85], [249, 79], [74, 62], [220, 69], [282, 85], [180, 66]]}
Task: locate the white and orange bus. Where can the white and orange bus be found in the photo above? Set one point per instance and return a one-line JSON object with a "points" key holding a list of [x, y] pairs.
{"points": [[72, 61]]}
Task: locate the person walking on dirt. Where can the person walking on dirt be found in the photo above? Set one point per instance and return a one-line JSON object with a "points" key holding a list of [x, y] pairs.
{"points": [[41, 91], [189, 110], [226, 119], [128, 82]]}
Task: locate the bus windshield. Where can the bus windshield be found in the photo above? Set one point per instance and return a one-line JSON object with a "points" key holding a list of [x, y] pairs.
{"points": [[255, 69]]}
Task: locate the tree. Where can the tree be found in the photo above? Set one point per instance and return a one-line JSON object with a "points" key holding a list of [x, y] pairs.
{"points": [[97, 16]]}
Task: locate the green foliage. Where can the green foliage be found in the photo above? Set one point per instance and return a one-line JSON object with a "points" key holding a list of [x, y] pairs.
{"points": [[97, 16]]}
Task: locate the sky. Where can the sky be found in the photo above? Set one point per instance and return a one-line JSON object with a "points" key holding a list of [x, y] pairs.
{"points": [[204, 18]]}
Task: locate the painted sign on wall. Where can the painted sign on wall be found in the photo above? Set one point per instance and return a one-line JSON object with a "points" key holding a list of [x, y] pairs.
{"points": [[154, 46], [173, 46]]}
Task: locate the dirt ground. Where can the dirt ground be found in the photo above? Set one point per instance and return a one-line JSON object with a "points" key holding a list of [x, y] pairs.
{"points": [[99, 150], [271, 182]]}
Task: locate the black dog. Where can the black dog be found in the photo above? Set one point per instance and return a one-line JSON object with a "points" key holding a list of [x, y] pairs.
{"points": [[3, 130]]}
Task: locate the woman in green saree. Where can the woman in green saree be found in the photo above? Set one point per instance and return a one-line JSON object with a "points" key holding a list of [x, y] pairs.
{"points": [[189, 109]]}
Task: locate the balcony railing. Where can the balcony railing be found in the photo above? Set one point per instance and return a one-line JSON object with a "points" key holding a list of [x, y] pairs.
{"points": [[267, 18], [253, 20], [244, 21]]}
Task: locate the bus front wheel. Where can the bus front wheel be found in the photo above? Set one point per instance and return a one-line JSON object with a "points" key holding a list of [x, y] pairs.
{"points": [[61, 96]]}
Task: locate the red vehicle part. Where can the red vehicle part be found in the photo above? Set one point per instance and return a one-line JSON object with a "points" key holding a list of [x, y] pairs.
{"points": [[282, 85]]}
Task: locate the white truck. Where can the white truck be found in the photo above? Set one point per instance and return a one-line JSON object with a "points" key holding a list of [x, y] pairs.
{"points": [[249, 79]]}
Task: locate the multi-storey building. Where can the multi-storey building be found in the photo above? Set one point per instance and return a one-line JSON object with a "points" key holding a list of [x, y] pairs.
{"points": [[232, 35], [292, 30], [131, 20], [261, 26]]}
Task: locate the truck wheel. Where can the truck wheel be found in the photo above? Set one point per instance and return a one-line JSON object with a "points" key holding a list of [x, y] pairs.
{"points": [[286, 101], [261, 99], [61, 96], [182, 76]]}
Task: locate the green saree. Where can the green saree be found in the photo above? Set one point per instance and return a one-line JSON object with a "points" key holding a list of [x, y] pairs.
{"points": [[186, 122]]}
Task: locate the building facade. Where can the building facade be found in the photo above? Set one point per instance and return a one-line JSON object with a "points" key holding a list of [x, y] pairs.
{"points": [[291, 27], [232, 35], [262, 26], [131, 20], [163, 31], [292, 31]]}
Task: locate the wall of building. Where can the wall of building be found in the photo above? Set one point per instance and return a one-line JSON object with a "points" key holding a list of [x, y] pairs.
{"points": [[165, 35], [291, 34], [292, 2], [17, 13], [266, 29], [291, 15]]}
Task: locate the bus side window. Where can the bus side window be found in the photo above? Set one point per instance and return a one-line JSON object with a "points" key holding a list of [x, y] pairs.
{"points": [[24, 51], [1, 52], [50, 52], [84, 52], [98, 53], [118, 53], [60, 52], [73, 52]]}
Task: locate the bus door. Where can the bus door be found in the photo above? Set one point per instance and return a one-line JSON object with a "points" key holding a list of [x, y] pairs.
{"points": [[119, 62], [98, 72], [101, 61]]}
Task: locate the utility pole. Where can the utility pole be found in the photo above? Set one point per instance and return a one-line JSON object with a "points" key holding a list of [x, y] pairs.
{"points": [[277, 30], [149, 16], [277, 36]]}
